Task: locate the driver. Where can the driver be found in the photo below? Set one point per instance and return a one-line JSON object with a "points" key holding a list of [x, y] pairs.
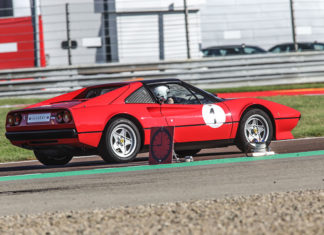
{"points": [[161, 93]]}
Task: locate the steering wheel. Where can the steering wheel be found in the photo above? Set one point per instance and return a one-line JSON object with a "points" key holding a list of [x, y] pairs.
{"points": [[191, 98]]}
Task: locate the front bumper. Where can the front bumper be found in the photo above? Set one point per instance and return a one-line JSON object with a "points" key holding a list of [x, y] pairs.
{"points": [[42, 135]]}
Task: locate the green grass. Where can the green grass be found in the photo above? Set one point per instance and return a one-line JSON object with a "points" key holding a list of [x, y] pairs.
{"points": [[13, 101], [8, 152], [312, 112], [311, 124], [267, 88]]}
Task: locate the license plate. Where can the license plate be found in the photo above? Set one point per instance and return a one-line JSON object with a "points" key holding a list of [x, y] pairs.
{"points": [[39, 117]]}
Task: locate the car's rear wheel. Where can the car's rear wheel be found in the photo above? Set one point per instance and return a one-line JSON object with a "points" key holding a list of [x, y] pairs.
{"points": [[184, 153], [121, 142], [255, 126], [52, 157]]}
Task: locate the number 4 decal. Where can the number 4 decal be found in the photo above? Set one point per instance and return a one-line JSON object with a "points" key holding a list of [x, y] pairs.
{"points": [[214, 115]]}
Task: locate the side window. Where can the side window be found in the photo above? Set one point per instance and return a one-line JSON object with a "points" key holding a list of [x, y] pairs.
{"points": [[181, 95], [203, 98], [205, 53], [173, 94], [304, 47], [214, 52], [251, 50], [222, 52], [248, 50], [140, 96], [233, 51], [289, 48], [276, 50], [318, 47]]}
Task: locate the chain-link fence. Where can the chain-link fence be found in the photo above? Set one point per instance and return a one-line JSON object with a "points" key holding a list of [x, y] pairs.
{"points": [[262, 22], [74, 32]]}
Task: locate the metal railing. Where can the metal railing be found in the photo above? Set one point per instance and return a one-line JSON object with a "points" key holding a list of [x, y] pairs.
{"points": [[231, 71]]}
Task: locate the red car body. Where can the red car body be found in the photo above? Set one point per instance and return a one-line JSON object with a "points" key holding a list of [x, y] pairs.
{"points": [[89, 117]]}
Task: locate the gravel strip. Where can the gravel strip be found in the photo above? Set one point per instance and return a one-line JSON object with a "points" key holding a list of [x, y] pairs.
{"points": [[275, 213]]}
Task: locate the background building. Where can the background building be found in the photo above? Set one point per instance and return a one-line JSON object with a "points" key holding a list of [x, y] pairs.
{"points": [[72, 32], [120, 30], [260, 22], [20, 36]]}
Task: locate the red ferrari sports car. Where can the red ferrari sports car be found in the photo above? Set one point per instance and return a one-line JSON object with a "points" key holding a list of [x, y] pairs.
{"points": [[114, 120]]}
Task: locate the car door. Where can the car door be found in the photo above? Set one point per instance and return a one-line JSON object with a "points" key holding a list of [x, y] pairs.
{"points": [[194, 116]]}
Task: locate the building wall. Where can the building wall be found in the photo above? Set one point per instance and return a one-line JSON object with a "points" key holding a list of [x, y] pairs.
{"points": [[21, 8], [175, 37], [17, 43], [17, 47], [138, 38], [151, 30], [85, 24], [135, 30], [142, 36]]}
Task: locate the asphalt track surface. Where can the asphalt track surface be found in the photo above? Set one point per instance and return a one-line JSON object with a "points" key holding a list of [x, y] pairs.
{"points": [[129, 188]]}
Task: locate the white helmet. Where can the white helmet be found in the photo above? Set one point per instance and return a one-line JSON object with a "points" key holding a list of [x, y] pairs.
{"points": [[161, 92]]}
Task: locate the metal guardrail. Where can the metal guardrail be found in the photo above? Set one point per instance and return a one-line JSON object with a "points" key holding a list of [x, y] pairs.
{"points": [[234, 71]]}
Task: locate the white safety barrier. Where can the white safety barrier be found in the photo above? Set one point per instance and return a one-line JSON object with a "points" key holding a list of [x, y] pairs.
{"points": [[220, 72]]}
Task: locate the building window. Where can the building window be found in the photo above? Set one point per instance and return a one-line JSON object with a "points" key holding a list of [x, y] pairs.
{"points": [[6, 9]]}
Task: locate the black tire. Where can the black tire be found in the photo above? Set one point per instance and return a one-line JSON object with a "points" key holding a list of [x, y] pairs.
{"points": [[118, 147], [184, 153], [52, 157], [249, 133]]}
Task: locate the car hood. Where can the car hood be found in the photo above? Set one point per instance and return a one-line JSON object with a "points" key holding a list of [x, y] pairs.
{"points": [[237, 107]]}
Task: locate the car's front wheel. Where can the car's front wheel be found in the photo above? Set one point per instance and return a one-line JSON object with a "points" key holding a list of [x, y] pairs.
{"points": [[52, 157], [121, 141], [255, 126]]}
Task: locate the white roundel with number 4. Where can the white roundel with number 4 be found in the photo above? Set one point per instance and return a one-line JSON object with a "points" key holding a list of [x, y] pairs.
{"points": [[214, 116]]}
